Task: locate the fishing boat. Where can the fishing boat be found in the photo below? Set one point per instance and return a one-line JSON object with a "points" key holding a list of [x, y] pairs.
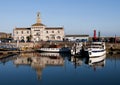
{"points": [[96, 49]]}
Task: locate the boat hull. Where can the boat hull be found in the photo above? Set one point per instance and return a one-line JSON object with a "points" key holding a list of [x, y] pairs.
{"points": [[96, 53], [54, 50]]}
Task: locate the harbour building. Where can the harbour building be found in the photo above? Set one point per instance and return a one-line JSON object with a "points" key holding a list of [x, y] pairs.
{"points": [[38, 32]]}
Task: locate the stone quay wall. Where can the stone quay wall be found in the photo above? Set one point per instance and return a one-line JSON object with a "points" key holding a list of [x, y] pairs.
{"points": [[34, 46]]}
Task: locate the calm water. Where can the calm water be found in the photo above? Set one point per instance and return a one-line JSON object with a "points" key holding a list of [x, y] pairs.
{"points": [[58, 69]]}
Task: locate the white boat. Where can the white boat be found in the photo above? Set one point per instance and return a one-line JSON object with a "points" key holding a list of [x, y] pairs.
{"points": [[54, 49], [96, 49], [76, 48]]}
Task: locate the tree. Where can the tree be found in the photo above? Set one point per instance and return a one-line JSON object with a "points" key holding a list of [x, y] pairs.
{"points": [[29, 38]]}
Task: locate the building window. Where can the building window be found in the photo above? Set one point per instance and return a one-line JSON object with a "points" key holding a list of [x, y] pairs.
{"points": [[58, 31], [21, 32], [46, 31], [17, 32], [22, 37], [37, 34], [53, 37], [58, 37], [36, 30], [52, 31], [27, 32], [47, 37]]}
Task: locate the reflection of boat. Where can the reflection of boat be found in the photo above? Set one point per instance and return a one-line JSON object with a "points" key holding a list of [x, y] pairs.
{"points": [[96, 49], [49, 54], [54, 48], [97, 65], [96, 60]]}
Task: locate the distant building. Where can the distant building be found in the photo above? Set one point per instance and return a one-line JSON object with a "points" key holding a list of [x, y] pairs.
{"points": [[39, 32], [5, 35], [81, 38]]}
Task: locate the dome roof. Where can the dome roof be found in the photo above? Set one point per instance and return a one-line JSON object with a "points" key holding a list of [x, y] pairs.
{"points": [[38, 24]]}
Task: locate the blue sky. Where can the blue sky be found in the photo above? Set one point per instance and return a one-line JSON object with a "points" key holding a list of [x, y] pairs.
{"points": [[76, 16]]}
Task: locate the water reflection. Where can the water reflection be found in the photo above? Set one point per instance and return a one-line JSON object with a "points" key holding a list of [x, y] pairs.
{"points": [[55, 68], [77, 61], [39, 61], [96, 62], [7, 58]]}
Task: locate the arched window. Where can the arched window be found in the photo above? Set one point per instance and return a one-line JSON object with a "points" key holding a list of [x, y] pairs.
{"points": [[22, 38], [47, 37], [58, 37]]}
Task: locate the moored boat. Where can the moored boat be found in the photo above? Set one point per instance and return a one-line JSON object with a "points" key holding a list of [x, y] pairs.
{"points": [[76, 48], [54, 48], [96, 49]]}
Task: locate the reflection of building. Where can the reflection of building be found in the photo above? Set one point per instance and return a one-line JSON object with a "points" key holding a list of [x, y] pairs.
{"points": [[39, 62], [38, 32]]}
